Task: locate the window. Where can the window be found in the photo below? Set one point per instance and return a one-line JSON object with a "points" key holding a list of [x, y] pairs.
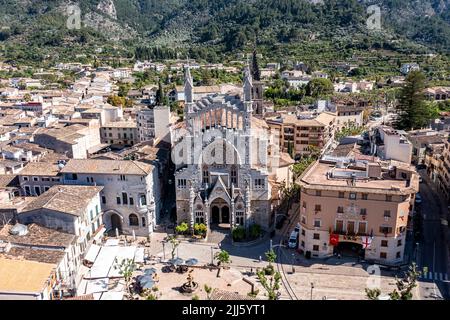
{"points": [[399, 243], [317, 223], [124, 198], [364, 196], [384, 243], [143, 200], [259, 183], [316, 236], [341, 194], [339, 226], [25, 178], [317, 207], [398, 255], [303, 232], [318, 193], [233, 176], [387, 213], [304, 204], [386, 230], [37, 191], [352, 196], [383, 255], [45, 179], [240, 218], [118, 200], [27, 191], [363, 212], [340, 209], [103, 199], [303, 219], [362, 227], [303, 244], [199, 217], [315, 247], [133, 219], [131, 201], [143, 221], [388, 198], [35, 179], [91, 214], [351, 227], [181, 183], [96, 210], [205, 176], [122, 177]]}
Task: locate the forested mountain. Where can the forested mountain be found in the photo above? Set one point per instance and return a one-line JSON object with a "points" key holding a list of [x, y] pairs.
{"points": [[221, 25]]}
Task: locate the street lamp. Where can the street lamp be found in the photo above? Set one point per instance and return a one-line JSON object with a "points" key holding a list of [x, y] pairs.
{"points": [[312, 287], [293, 258], [164, 250]]}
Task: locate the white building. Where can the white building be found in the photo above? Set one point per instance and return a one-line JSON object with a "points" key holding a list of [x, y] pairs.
{"points": [[130, 197], [390, 144], [153, 124]]}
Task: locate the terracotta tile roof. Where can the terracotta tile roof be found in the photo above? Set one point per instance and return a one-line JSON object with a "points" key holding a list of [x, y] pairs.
{"points": [[38, 235], [98, 166], [40, 169], [67, 199], [34, 254]]}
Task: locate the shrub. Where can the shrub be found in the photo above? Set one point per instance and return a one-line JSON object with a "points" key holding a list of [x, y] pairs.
{"points": [[182, 228], [238, 233], [200, 229], [255, 230]]}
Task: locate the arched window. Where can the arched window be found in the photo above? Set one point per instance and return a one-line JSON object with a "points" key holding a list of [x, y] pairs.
{"points": [[143, 222], [133, 219]]}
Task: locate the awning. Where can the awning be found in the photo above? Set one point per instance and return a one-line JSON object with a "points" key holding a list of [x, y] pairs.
{"points": [[112, 242], [97, 285], [111, 295], [92, 253]]}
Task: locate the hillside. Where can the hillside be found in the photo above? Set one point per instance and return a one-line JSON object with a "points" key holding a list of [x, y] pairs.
{"points": [[36, 30]]}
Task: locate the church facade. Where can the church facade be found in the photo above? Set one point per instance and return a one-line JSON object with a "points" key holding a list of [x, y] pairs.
{"points": [[224, 178]]}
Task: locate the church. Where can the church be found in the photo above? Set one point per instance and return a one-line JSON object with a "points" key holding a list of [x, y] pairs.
{"points": [[231, 170]]}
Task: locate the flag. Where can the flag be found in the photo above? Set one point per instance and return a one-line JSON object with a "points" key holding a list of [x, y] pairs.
{"points": [[366, 241], [334, 239]]}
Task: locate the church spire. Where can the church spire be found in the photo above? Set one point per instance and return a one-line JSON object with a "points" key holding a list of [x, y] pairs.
{"points": [[248, 85], [188, 86]]}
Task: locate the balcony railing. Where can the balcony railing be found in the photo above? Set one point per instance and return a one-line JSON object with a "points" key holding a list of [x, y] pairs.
{"points": [[350, 234]]}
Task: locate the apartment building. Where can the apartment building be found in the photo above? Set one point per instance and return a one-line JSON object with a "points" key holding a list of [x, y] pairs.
{"points": [[357, 208], [119, 133], [153, 124], [298, 134], [130, 198], [390, 144]]}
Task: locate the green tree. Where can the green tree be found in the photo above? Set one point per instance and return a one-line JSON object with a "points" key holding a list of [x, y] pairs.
{"points": [[208, 291], [271, 284], [175, 243], [223, 257], [126, 268], [256, 73], [412, 111], [160, 94], [373, 294], [406, 285], [319, 87]]}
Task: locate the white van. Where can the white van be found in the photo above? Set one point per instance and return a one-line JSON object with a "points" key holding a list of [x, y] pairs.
{"points": [[293, 240]]}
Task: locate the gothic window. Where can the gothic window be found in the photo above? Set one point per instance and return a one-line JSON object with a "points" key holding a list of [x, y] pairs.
{"points": [[124, 198], [205, 175], [259, 183], [182, 183], [143, 222], [143, 199], [240, 218], [233, 175], [133, 220], [199, 217]]}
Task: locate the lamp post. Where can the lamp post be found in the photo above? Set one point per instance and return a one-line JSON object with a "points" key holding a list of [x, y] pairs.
{"points": [[212, 255], [312, 287], [164, 249], [293, 258]]}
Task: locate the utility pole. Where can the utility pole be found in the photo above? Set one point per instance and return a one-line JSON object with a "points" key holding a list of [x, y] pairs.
{"points": [[312, 287]]}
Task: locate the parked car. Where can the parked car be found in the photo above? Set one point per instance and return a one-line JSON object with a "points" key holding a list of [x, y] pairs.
{"points": [[418, 198], [293, 239], [297, 228]]}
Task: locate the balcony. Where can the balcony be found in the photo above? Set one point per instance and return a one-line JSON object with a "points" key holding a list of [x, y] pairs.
{"points": [[350, 234]]}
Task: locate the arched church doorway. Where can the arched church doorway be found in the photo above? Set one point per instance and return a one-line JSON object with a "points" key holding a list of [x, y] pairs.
{"points": [[225, 215], [215, 215]]}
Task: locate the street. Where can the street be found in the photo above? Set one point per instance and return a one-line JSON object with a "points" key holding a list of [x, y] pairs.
{"points": [[432, 251]]}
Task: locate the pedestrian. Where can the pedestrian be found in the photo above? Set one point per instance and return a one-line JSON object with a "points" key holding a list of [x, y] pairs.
{"points": [[260, 259]]}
